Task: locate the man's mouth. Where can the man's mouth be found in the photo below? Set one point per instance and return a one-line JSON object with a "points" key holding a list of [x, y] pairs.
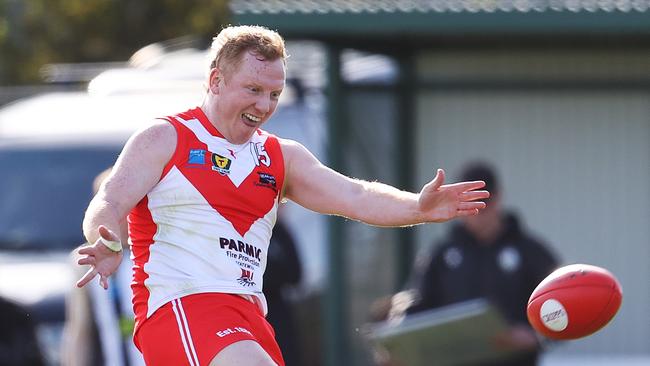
{"points": [[251, 119]]}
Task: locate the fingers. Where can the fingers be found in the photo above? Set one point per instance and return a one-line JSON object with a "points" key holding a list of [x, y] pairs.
{"points": [[474, 195], [466, 186], [103, 281], [473, 205], [87, 277], [464, 213], [438, 180], [87, 250], [88, 260]]}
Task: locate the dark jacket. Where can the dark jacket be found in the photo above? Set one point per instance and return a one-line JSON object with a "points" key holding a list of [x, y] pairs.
{"points": [[504, 272]]}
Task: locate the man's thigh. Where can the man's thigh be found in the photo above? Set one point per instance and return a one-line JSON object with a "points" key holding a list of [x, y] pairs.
{"points": [[248, 353]]}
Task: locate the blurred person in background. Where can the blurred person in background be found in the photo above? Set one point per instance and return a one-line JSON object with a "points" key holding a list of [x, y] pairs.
{"points": [[283, 272], [201, 190], [99, 323], [488, 256], [18, 343]]}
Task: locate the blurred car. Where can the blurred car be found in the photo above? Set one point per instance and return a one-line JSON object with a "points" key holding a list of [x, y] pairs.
{"points": [[51, 148], [43, 195]]}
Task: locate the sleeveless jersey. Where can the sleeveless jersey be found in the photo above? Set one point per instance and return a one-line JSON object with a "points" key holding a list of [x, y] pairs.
{"points": [[206, 225]]}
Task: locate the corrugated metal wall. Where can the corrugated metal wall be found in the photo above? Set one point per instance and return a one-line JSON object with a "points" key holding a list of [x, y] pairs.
{"points": [[574, 161]]}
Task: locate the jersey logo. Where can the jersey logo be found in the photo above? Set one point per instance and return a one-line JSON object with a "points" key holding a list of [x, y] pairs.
{"points": [[246, 278], [221, 164], [259, 154], [197, 156], [266, 180]]}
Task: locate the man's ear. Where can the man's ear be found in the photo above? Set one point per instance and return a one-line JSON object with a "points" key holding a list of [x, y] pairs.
{"points": [[214, 80]]}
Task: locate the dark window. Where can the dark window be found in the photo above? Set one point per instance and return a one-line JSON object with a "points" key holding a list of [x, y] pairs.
{"points": [[44, 192]]}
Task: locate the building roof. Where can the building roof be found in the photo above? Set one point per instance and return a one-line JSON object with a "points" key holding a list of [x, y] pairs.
{"points": [[394, 19], [431, 6]]}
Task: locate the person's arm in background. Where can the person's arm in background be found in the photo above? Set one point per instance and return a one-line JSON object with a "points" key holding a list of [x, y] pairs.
{"points": [[136, 171], [319, 188]]}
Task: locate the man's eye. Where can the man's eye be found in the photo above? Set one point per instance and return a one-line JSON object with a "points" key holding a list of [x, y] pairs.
{"points": [[275, 95]]}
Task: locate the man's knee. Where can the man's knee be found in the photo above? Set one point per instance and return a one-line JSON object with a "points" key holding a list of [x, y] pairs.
{"points": [[248, 353]]}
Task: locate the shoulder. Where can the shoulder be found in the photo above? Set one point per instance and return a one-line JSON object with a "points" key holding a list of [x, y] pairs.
{"points": [[156, 129], [289, 144], [151, 147], [295, 151], [157, 136], [528, 242], [537, 248], [525, 237]]}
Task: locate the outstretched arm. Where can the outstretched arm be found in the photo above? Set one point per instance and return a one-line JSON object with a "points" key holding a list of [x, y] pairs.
{"points": [[136, 171], [319, 188]]}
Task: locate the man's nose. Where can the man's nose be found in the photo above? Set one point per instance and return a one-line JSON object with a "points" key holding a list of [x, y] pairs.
{"points": [[263, 104]]}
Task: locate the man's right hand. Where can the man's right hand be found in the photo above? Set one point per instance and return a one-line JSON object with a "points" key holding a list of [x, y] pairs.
{"points": [[102, 260]]}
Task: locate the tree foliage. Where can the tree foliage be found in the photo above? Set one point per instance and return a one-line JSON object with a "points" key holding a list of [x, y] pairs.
{"points": [[36, 32]]}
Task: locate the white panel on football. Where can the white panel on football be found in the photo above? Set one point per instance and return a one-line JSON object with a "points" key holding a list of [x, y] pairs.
{"points": [[576, 164]]}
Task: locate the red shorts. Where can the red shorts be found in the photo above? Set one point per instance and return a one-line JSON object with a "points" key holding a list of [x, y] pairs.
{"points": [[193, 329]]}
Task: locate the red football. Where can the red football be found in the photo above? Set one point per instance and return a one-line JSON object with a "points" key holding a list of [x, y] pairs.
{"points": [[574, 301]]}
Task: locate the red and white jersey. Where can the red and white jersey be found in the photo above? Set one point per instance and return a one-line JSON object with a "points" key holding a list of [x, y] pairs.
{"points": [[206, 225]]}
